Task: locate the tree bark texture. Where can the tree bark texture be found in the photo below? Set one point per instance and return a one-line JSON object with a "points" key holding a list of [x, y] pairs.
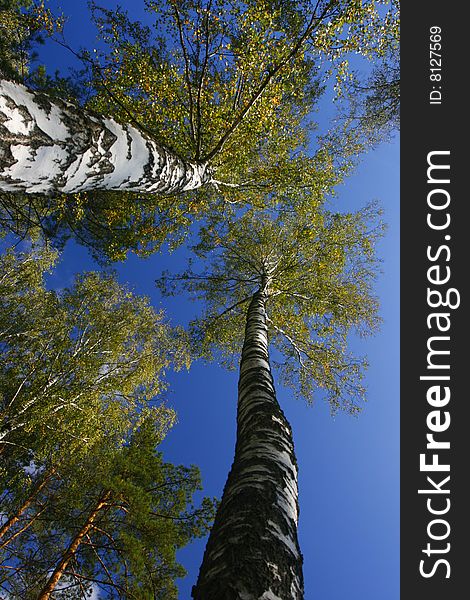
{"points": [[49, 146], [253, 552], [73, 546]]}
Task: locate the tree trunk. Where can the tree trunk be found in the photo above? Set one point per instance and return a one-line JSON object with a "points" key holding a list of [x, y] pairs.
{"points": [[69, 553], [49, 146], [26, 504], [253, 552]]}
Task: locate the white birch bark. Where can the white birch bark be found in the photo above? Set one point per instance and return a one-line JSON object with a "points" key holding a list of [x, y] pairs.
{"points": [[253, 552], [49, 146]]}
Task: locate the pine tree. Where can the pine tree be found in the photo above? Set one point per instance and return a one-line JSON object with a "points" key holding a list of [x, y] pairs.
{"points": [[112, 518]]}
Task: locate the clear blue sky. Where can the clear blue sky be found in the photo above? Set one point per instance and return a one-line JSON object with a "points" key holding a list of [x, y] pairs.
{"points": [[349, 467]]}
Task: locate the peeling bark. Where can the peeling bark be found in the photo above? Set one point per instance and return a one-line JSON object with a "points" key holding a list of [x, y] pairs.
{"points": [[49, 146], [253, 552]]}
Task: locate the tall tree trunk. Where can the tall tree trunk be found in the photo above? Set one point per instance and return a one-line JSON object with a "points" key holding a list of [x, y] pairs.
{"points": [[73, 546], [26, 504], [253, 552], [50, 146]]}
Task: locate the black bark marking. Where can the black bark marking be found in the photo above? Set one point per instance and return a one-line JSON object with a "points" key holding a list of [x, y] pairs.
{"points": [[245, 556], [86, 133]]}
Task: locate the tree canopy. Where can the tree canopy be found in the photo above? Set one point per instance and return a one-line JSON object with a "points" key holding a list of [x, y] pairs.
{"points": [[111, 520], [229, 84], [75, 362], [86, 497], [231, 90], [317, 271]]}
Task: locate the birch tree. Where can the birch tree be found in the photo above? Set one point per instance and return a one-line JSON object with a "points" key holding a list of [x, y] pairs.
{"points": [[210, 103], [298, 284], [77, 362], [85, 497], [369, 105]]}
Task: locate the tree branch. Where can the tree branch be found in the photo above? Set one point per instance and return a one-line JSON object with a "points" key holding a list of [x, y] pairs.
{"points": [[313, 23], [186, 71]]}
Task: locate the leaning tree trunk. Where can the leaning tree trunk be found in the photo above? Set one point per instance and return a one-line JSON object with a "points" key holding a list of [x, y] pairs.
{"points": [[49, 146], [53, 580], [13, 520], [253, 552]]}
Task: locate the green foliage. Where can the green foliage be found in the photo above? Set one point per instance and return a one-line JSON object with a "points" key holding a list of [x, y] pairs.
{"points": [[24, 24], [16, 39], [191, 75], [80, 374], [219, 80], [370, 108], [234, 84], [369, 104], [109, 224], [316, 269], [144, 513], [75, 362], [231, 84]]}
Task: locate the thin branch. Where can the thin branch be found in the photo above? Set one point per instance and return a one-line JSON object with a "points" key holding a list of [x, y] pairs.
{"points": [[127, 593], [200, 83], [227, 310], [105, 569], [314, 21], [186, 70], [297, 350], [23, 529], [80, 584]]}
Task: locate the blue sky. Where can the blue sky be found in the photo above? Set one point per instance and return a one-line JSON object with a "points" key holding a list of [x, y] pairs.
{"points": [[349, 467]]}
